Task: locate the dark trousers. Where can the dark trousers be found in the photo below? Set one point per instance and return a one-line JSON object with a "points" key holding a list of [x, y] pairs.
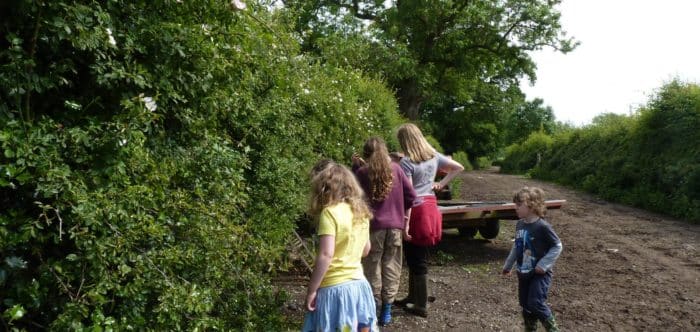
{"points": [[532, 293], [416, 258]]}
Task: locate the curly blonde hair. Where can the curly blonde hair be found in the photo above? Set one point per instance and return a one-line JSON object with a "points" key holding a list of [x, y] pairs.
{"points": [[533, 198], [332, 184], [379, 168], [414, 144]]}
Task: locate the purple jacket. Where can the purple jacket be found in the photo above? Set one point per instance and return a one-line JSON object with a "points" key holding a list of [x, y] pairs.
{"points": [[389, 213]]}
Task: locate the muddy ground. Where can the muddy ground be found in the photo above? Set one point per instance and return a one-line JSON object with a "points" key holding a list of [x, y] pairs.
{"points": [[622, 269]]}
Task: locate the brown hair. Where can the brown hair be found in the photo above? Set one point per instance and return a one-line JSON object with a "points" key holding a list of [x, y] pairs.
{"points": [[396, 156], [414, 144], [533, 198], [379, 169], [320, 166], [334, 184]]}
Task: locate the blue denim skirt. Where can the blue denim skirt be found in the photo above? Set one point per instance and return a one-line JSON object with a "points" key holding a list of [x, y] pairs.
{"points": [[344, 307]]}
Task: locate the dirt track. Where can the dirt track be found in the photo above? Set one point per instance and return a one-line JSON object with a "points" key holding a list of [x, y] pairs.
{"points": [[622, 269]]}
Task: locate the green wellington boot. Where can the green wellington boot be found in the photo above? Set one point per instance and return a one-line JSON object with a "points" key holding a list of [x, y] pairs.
{"points": [[550, 324], [530, 322]]}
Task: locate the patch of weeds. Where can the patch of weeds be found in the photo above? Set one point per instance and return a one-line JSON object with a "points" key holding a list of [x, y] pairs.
{"points": [[478, 270], [443, 258]]}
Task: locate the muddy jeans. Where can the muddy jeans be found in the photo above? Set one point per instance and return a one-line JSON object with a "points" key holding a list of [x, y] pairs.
{"points": [[383, 264]]}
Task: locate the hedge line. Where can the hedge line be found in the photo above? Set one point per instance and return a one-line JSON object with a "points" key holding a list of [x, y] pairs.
{"points": [[650, 159], [154, 159]]}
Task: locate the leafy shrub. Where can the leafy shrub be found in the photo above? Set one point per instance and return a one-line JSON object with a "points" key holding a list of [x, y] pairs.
{"points": [[462, 158], [525, 156], [154, 157], [483, 162], [434, 143], [643, 159]]}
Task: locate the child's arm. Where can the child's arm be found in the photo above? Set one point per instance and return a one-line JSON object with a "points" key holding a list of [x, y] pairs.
{"points": [[547, 261], [406, 228], [509, 261], [357, 162], [453, 168], [323, 261], [411, 194]]}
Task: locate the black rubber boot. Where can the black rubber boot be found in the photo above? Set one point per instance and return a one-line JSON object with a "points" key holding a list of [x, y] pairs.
{"points": [[410, 297], [420, 306]]}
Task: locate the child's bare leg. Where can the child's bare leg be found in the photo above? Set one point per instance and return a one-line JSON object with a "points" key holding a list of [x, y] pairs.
{"points": [[363, 327]]}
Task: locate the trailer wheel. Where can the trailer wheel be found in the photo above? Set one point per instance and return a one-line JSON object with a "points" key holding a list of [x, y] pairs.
{"points": [[490, 230], [468, 232]]}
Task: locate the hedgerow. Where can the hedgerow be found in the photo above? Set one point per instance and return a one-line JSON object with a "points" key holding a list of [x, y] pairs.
{"points": [[154, 160], [648, 159], [528, 154]]}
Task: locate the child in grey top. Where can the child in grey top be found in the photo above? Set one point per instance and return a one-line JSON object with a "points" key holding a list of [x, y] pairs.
{"points": [[423, 174]]}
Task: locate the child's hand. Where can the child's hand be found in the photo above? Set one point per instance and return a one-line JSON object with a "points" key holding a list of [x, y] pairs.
{"points": [[311, 301], [539, 270], [356, 160], [505, 273], [406, 236]]}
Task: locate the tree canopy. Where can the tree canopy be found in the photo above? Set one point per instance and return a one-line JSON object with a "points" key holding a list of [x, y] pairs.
{"points": [[429, 50], [528, 117]]}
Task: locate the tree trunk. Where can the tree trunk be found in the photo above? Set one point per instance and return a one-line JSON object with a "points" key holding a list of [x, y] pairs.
{"points": [[410, 99]]}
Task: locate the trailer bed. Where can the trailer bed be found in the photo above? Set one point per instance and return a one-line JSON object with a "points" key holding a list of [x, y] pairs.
{"points": [[475, 214]]}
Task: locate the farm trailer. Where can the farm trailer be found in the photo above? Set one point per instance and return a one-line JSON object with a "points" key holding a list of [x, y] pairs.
{"points": [[470, 217]]}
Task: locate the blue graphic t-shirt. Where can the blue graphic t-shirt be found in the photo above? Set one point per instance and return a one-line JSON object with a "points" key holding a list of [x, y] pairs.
{"points": [[523, 244], [533, 241]]}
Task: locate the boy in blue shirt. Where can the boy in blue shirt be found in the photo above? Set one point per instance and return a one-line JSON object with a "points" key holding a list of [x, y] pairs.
{"points": [[535, 249]]}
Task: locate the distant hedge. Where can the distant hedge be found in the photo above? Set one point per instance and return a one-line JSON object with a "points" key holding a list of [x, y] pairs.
{"points": [[650, 159], [526, 155], [154, 158]]}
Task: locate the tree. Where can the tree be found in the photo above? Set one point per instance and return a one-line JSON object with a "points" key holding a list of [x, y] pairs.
{"points": [[430, 50], [528, 117], [476, 127]]}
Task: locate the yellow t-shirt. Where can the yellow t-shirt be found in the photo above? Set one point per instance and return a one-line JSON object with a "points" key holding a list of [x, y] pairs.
{"points": [[350, 240]]}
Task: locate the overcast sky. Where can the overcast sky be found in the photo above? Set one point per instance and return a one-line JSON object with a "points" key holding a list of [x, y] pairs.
{"points": [[629, 48]]}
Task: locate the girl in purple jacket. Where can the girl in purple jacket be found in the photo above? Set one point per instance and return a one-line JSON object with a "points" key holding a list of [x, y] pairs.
{"points": [[390, 197]]}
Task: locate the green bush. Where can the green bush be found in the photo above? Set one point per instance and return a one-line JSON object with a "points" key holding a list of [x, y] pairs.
{"points": [[483, 162], [645, 159], [526, 155], [462, 158], [434, 143], [154, 157]]}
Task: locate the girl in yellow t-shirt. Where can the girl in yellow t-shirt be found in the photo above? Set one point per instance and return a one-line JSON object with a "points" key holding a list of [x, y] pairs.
{"points": [[339, 298]]}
